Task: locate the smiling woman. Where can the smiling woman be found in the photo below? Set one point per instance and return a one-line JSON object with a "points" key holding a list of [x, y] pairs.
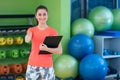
{"points": [[44, 68]]}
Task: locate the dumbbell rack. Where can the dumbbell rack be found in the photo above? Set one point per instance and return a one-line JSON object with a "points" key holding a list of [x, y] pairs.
{"points": [[15, 30]]}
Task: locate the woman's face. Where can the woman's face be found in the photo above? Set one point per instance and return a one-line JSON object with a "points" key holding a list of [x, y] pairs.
{"points": [[42, 16]]}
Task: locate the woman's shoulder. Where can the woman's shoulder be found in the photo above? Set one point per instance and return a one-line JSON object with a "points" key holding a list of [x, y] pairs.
{"points": [[33, 27], [52, 30]]}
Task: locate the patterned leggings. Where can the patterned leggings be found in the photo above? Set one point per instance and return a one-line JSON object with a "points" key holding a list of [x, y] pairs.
{"points": [[39, 73]]}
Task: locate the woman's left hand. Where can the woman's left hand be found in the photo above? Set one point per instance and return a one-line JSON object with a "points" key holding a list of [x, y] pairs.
{"points": [[43, 47]]}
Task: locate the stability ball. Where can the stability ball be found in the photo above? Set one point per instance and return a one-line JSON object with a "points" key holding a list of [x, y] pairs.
{"points": [[66, 66], [93, 67], [80, 45], [116, 20], [82, 26], [102, 18]]}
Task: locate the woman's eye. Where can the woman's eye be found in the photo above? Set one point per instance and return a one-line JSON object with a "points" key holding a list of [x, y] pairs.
{"points": [[44, 14], [39, 14]]}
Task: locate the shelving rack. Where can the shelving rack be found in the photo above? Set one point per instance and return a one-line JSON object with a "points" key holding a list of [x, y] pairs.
{"points": [[15, 30], [110, 43]]}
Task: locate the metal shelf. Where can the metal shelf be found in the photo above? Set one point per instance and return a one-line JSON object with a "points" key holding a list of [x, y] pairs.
{"points": [[111, 56], [17, 16], [111, 76], [6, 28]]}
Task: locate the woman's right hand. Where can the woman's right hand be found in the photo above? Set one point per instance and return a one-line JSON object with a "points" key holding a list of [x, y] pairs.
{"points": [[28, 37]]}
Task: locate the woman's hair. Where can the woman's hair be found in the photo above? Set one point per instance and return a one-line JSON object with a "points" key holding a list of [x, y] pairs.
{"points": [[41, 7]]}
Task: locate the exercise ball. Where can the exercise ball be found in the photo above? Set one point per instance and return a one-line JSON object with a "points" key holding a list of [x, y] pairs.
{"points": [[54, 57], [93, 67], [116, 20], [66, 66], [82, 26], [102, 18], [80, 45]]}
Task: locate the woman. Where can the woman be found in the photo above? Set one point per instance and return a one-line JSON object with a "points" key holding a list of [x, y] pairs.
{"points": [[40, 66]]}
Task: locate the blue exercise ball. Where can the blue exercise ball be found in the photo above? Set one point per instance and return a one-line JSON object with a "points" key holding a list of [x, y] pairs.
{"points": [[80, 45], [93, 67]]}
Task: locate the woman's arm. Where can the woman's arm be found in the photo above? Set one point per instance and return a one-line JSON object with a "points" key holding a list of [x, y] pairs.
{"points": [[28, 37], [57, 50]]}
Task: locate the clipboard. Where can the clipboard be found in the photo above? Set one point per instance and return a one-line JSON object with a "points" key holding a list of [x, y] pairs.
{"points": [[51, 42]]}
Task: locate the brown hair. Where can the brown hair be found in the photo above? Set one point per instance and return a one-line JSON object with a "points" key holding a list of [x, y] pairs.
{"points": [[41, 7]]}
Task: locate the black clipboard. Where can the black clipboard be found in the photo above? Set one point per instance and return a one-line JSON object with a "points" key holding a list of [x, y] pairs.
{"points": [[51, 42]]}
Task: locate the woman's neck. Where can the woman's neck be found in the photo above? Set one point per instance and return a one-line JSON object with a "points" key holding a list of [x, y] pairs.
{"points": [[42, 26]]}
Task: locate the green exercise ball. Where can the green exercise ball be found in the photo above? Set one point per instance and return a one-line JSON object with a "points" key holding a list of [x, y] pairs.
{"points": [[102, 18], [116, 20], [54, 57], [82, 26], [66, 66]]}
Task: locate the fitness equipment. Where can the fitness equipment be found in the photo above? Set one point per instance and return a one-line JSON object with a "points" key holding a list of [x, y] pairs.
{"points": [[80, 45], [4, 69], [24, 66], [57, 78], [3, 77], [2, 41], [116, 20], [93, 67], [18, 40], [102, 18], [13, 53], [9, 40], [20, 77], [16, 68], [82, 26], [66, 66], [11, 77], [24, 52], [2, 54]]}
